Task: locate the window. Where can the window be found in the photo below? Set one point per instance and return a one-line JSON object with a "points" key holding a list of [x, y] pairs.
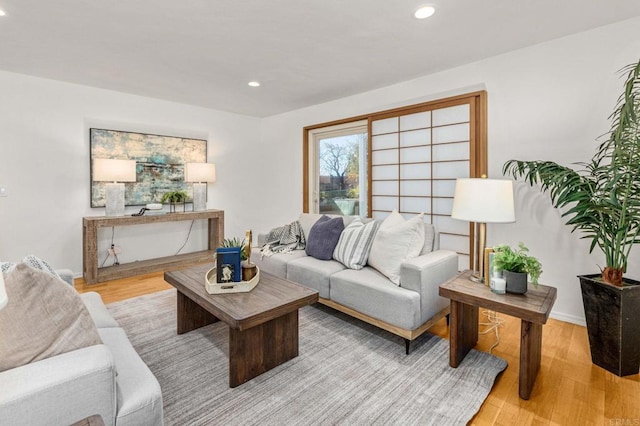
{"points": [[339, 184], [412, 158]]}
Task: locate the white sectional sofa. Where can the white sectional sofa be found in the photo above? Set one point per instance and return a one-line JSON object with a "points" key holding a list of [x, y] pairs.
{"points": [[407, 310], [108, 379]]}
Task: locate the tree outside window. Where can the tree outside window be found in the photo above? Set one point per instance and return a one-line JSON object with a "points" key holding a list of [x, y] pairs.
{"points": [[339, 180]]}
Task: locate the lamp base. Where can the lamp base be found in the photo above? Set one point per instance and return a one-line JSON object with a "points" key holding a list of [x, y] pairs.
{"points": [[114, 199], [199, 197], [476, 278]]}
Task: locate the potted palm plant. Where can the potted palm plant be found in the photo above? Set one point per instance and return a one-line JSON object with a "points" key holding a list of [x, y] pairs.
{"points": [[602, 200]]}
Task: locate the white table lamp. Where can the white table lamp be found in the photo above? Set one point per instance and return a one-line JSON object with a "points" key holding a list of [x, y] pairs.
{"points": [[115, 172], [199, 174], [482, 201]]}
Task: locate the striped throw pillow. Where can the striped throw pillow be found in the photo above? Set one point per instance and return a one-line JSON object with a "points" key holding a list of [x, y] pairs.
{"points": [[355, 244]]}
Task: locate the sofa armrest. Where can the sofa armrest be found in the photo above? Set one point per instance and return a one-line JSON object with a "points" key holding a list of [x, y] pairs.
{"points": [[60, 390], [424, 274], [66, 275]]}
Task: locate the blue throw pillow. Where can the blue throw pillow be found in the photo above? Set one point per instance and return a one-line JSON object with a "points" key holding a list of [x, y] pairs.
{"points": [[323, 237]]}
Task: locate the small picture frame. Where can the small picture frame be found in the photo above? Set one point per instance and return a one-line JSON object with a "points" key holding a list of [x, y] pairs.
{"points": [[488, 265], [228, 265]]}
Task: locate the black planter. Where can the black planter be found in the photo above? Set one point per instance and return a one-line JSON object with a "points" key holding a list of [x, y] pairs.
{"points": [[613, 323], [516, 282]]}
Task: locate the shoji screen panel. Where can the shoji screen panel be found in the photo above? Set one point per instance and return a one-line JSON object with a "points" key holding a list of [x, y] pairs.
{"points": [[416, 156]]}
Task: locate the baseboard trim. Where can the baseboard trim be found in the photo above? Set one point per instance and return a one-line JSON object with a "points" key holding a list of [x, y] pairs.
{"points": [[573, 319]]}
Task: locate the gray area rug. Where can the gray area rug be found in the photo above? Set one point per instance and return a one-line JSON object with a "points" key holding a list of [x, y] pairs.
{"points": [[347, 373]]}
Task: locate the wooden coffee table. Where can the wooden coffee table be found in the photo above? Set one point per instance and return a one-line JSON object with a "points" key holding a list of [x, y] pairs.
{"points": [[533, 308], [263, 324]]}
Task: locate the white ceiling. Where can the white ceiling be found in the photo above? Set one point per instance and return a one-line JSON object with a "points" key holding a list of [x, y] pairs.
{"points": [[304, 52]]}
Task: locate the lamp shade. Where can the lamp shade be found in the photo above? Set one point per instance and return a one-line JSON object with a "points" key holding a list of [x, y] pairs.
{"points": [[3, 293], [199, 172], [483, 200], [110, 170]]}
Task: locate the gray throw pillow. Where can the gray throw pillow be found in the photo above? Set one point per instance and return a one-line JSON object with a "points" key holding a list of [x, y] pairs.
{"points": [[323, 237]]}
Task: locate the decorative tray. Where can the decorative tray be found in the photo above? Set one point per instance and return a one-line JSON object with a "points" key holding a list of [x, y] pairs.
{"points": [[214, 287]]}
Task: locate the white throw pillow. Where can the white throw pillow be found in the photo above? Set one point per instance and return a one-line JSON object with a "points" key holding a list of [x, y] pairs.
{"points": [[355, 244], [396, 241], [43, 318]]}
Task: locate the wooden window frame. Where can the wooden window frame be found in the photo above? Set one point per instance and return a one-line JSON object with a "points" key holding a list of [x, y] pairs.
{"points": [[477, 102]]}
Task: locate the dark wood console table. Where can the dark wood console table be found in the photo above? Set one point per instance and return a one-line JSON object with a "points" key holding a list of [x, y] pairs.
{"points": [[533, 308], [94, 274]]}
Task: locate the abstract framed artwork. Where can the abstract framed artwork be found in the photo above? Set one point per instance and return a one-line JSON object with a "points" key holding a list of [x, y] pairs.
{"points": [[159, 160]]}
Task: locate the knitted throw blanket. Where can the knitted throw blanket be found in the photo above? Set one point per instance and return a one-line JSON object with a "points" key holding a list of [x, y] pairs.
{"points": [[284, 239]]}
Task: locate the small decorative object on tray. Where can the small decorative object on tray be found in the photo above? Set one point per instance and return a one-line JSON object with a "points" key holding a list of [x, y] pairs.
{"points": [[249, 270], [228, 265], [214, 287], [234, 272]]}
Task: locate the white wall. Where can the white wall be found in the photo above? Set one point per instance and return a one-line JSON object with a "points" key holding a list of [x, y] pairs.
{"points": [[44, 164], [548, 101]]}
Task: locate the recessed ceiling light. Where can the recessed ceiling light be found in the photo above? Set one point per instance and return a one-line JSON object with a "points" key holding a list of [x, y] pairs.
{"points": [[2, 12], [254, 83], [424, 12]]}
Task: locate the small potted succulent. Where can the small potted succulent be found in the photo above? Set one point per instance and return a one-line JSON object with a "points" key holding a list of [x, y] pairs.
{"points": [[516, 266], [237, 242], [174, 198]]}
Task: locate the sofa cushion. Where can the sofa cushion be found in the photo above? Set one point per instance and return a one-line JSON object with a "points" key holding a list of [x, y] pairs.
{"points": [[397, 240], [323, 237], [138, 391], [276, 264], [313, 273], [61, 389], [98, 311], [371, 293], [307, 220], [66, 275], [355, 243], [43, 318], [429, 238]]}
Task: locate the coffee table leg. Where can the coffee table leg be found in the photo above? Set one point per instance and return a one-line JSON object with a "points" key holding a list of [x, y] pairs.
{"points": [[530, 355], [261, 348], [191, 315], [463, 331]]}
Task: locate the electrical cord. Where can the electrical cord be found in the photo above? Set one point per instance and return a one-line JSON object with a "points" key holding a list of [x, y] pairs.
{"points": [[185, 241], [494, 322], [113, 248], [113, 230], [113, 253], [105, 259]]}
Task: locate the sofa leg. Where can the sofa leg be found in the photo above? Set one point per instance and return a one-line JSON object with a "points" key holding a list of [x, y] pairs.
{"points": [[407, 345], [448, 320]]}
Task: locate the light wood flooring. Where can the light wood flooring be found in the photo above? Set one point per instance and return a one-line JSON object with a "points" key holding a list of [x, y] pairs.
{"points": [[569, 390]]}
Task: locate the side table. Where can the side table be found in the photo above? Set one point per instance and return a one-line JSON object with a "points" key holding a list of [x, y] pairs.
{"points": [[532, 308]]}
